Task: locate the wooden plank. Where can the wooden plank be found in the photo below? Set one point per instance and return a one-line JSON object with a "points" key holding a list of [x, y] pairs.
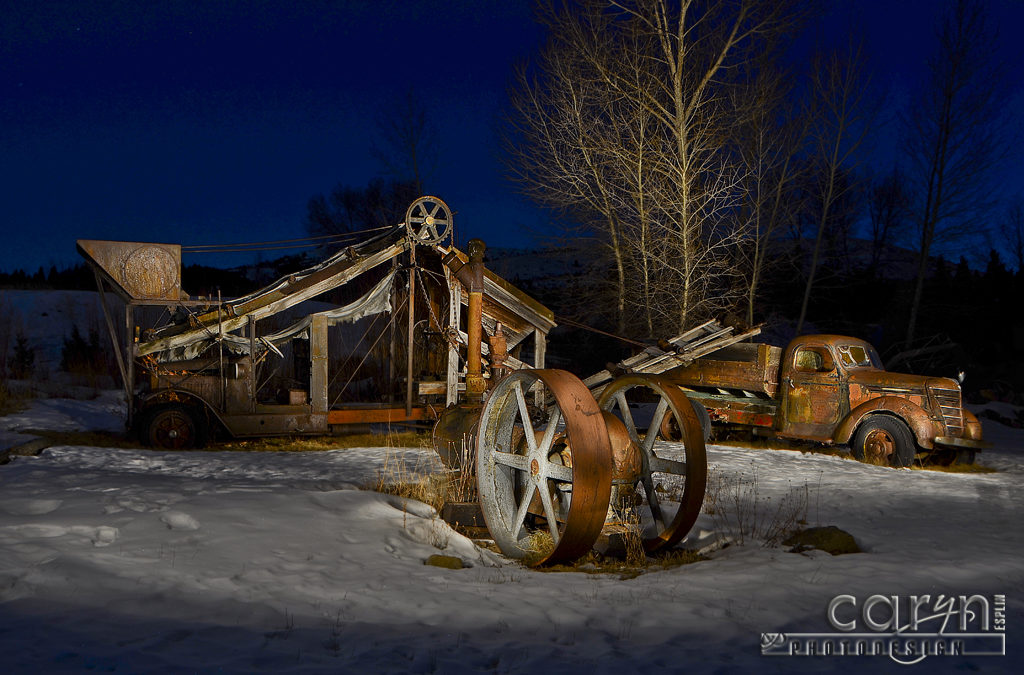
{"points": [[286, 301], [693, 332], [431, 388], [318, 363], [705, 339], [454, 312]]}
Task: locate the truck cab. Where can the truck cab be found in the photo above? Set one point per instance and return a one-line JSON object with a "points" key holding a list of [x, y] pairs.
{"points": [[833, 389]]}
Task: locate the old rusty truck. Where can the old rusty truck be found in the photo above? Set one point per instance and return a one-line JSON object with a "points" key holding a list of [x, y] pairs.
{"points": [[834, 390]]}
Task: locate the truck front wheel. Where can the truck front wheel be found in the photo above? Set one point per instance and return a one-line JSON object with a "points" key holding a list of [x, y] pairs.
{"points": [[885, 440]]}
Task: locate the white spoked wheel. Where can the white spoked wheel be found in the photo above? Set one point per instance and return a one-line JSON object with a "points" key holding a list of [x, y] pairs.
{"points": [[543, 473]]}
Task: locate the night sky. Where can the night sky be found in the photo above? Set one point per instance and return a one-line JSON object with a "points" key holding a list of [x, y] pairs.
{"points": [[215, 122]]}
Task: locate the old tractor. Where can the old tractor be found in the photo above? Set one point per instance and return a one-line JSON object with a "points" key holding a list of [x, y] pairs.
{"points": [[555, 457]]}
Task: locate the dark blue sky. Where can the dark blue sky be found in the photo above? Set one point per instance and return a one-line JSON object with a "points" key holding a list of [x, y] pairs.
{"points": [[164, 122]]}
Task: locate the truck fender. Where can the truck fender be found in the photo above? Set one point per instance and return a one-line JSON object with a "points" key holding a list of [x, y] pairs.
{"points": [[913, 415], [172, 395], [972, 427]]}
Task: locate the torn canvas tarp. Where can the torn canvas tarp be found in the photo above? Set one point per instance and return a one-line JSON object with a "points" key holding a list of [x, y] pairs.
{"points": [[376, 301]]}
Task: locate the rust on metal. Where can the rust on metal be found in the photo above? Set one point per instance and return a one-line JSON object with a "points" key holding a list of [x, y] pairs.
{"points": [[498, 353], [377, 415], [454, 434], [575, 528], [139, 271], [627, 463], [211, 363], [821, 388]]}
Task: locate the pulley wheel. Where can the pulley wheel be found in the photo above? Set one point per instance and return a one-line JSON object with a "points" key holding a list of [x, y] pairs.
{"points": [[428, 220]]}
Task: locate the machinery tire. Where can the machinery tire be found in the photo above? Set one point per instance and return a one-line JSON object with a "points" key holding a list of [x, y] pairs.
{"points": [[670, 430], [886, 440], [173, 426], [703, 417]]}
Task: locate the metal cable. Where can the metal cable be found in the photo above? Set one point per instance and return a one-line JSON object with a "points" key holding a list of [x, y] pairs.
{"points": [[576, 324], [211, 248]]}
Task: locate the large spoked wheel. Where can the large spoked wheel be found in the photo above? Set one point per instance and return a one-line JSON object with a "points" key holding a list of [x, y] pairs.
{"points": [[174, 427], [673, 486], [429, 220], [543, 473]]}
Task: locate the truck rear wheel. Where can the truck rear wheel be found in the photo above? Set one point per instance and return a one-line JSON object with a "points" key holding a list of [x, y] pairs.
{"points": [[885, 440], [670, 430], [174, 427]]}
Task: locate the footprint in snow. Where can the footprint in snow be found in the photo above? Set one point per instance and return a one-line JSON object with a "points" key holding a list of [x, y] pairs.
{"points": [[30, 507], [177, 520]]}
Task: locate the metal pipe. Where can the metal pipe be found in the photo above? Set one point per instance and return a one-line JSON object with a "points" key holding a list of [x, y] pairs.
{"points": [[471, 276], [475, 384]]}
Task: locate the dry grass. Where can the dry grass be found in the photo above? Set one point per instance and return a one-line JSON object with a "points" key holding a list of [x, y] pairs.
{"points": [[11, 402], [106, 439], [420, 483], [595, 563], [740, 510], [424, 483], [94, 439], [956, 468], [538, 545], [404, 439]]}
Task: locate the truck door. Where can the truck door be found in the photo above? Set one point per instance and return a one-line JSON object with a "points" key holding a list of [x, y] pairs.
{"points": [[813, 397]]}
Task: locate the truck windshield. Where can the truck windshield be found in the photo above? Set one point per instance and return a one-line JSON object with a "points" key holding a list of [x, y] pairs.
{"points": [[858, 356]]}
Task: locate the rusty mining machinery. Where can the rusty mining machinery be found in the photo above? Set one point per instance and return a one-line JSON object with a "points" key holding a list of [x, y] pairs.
{"points": [[554, 457]]}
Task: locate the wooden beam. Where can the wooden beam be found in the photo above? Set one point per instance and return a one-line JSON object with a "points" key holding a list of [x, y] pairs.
{"points": [[284, 302], [378, 415]]}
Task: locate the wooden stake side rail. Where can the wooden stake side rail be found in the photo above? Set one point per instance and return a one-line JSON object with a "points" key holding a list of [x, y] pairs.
{"points": [[379, 415], [692, 344]]}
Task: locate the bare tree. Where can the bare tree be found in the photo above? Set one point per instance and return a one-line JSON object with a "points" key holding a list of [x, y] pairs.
{"points": [[840, 121], [555, 141], [408, 141], [1012, 230], [888, 214], [952, 138], [626, 119], [347, 209], [769, 144]]}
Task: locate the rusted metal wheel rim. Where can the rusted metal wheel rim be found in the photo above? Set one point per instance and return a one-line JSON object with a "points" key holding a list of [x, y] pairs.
{"points": [[516, 465], [172, 429], [428, 220], [879, 446], [668, 530]]}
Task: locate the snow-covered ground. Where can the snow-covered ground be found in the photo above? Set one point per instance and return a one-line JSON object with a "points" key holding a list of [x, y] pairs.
{"points": [[143, 561]]}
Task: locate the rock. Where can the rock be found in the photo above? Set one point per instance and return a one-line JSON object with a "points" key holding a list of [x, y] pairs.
{"points": [[446, 561], [829, 538]]}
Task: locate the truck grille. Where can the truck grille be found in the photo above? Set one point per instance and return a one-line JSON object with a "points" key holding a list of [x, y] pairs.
{"points": [[948, 402]]}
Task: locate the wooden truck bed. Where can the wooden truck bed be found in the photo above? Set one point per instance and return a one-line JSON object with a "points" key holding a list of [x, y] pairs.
{"points": [[738, 367]]}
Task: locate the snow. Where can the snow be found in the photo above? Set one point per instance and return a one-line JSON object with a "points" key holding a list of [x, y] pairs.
{"points": [[132, 560]]}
